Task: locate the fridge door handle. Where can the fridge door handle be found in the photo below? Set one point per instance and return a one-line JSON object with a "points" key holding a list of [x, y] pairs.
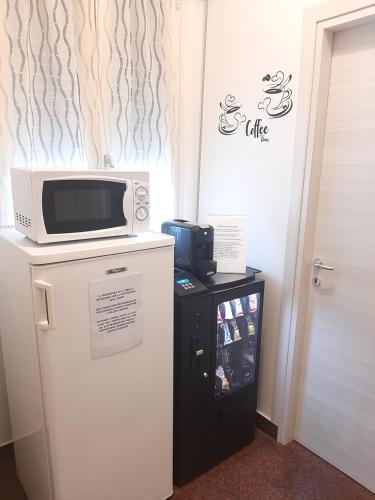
{"points": [[44, 305]]}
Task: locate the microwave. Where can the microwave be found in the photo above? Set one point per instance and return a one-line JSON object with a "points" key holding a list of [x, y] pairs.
{"points": [[52, 206]]}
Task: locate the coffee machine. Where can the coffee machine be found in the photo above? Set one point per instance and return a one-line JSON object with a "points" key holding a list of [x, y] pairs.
{"points": [[217, 333], [194, 246]]}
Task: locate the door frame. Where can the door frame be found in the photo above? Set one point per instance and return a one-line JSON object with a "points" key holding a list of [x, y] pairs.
{"points": [[320, 23]]}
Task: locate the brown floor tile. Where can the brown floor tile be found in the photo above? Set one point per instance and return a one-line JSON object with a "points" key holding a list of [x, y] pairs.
{"points": [[10, 487], [266, 470]]}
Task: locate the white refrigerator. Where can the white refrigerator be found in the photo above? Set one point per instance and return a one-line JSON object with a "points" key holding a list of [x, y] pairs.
{"points": [[88, 351]]}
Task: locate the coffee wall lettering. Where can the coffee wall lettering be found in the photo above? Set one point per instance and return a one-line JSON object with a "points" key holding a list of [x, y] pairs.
{"points": [[277, 104]]}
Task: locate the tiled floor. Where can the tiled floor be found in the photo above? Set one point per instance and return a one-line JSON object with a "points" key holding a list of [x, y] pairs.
{"points": [[10, 488], [264, 470]]}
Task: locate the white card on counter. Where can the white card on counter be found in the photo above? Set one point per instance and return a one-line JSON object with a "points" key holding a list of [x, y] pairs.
{"points": [[229, 242], [115, 314]]}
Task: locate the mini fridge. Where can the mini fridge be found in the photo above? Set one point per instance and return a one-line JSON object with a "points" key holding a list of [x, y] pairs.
{"points": [[88, 351], [217, 335]]}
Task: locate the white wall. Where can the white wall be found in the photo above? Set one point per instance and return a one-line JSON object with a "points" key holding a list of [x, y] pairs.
{"points": [[192, 56], [247, 39]]}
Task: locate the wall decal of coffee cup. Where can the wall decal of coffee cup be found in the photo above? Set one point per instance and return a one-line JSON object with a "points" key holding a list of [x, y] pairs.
{"points": [[278, 102], [231, 119]]}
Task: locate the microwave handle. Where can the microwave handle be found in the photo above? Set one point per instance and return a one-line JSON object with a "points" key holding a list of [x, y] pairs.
{"points": [[128, 203], [44, 305]]}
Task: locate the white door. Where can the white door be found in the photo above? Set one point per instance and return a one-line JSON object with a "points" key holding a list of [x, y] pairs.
{"points": [[109, 420], [336, 411]]}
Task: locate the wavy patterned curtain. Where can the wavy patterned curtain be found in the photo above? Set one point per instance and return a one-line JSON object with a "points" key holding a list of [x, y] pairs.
{"points": [[89, 84], [139, 52]]}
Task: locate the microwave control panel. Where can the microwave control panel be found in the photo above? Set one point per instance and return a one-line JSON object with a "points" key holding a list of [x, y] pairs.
{"points": [[141, 205], [142, 200]]}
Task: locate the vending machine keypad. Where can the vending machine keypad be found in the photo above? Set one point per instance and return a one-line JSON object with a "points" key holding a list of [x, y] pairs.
{"points": [[187, 284]]}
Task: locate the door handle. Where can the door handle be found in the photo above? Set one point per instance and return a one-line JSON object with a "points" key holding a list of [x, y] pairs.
{"points": [[44, 305], [318, 264]]}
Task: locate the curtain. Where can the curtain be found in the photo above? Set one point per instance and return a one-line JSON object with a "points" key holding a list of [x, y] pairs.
{"points": [[90, 84], [139, 82]]}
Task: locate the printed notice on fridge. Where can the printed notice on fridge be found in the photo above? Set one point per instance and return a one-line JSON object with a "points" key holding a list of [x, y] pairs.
{"points": [[229, 242], [115, 314]]}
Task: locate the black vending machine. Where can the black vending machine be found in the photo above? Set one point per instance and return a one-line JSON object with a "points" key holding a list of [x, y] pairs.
{"points": [[217, 333]]}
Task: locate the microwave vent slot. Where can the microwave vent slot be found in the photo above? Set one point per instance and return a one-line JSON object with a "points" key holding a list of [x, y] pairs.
{"points": [[23, 220]]}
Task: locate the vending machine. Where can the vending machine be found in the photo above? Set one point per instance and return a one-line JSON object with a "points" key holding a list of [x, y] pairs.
{"points": [[217, 334]]}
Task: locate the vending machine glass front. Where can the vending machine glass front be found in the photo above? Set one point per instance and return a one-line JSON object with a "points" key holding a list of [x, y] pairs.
{"points": [[236, 343]]}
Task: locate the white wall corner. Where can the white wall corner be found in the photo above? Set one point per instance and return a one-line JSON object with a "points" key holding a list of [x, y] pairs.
{"points": [[193, 35]]}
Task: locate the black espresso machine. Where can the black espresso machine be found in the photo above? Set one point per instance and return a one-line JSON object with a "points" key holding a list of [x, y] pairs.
{"points": [[217, 333]]}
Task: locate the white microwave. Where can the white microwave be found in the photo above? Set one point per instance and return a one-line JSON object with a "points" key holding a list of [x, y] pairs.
{"points": [[51, 205]]}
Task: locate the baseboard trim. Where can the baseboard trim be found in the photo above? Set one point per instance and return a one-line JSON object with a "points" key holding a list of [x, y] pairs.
{"points": [[267, 426], [6, 452]]}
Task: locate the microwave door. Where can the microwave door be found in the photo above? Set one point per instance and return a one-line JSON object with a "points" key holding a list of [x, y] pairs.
{"points": [[128, 205], [84, 205]]}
